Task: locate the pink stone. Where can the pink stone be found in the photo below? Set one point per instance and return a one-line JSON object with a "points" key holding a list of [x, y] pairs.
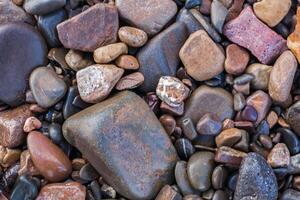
{"points": [[249, 32]]}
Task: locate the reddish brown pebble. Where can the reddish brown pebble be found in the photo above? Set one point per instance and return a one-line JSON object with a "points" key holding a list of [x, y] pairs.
{"points": [[132, 36], [229, 156], [229, 137], [48, 158], [31, 124], [205, 7], [130, 81], [272, 119], [235, 9], [247, 31], [93, 28], [293, 41], [168, 122], [236, 60], [127, 62], [11, 126], [62, 191], [168, 193]]}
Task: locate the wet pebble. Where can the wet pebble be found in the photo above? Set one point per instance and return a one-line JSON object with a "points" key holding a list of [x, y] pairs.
{"points": [[130, 81], [236, 60], [168, 193], [131, 36], [189, 20], [218, 15], [229, 137], [261, 75], [290, 139], [249, 114], [207, 125], [32, 123], [9, 12], [40, 7], [108, 53], [239, 101], [76, 60], [127, 62], [25, 188], [219, 177], [168, 122], [182, 180], [229, 156], [184, 148], [88, 172]]}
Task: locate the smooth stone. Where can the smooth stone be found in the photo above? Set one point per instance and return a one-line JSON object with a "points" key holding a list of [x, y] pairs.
{"points": [[127, 62], [133, 37], [25, 188], [219, 176], [229, 156], [114, 129], [279, 156], [247, 31], [261, 75], [220, 195], [290, 194], [261, 102], [91, 29], [62, 191], [168, 193], [182, 180], [236, 60], [168, 122], [11, 126], [205, 7], [202, 58], [189, 20], [18, 42], [77, 60], [232, 180], [52, 163], [41, 7], [148, 15], [47, 25], [293, 117], [130, 81], [55, 133], [58, 55], [218, 14], [31, 124], [256, 179], [229, 137], [96, 81], [175, 111], [249, 114], [207, 125], [239, 101], [69, 108], [243, 79], [293, 40], [282, 76], [26, 165], [235, 9], [290, 139], [294, 167], [203, 99], [47, 87], [88, 172], [108, 53], [159, 57], [192, 3], [272, 12], [199, 169], [9, 12], [184, 148]]}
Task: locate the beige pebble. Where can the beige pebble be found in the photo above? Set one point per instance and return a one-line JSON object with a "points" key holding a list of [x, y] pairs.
{"points": [[76, 61], [110, 52], [31, 124], [133, 37]]}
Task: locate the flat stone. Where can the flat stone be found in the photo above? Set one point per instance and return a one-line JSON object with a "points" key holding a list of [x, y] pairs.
{"points": [[93, 28], [261, 102], [237, 59], [130, 81], [108, 53], [293, 117], [282, 76], [182, 179], [133, 37], [272, 12], [41, 7], [293, 41], [114, 129], [261, 76], [96, 81], [46, 86], [229, 156], [218, 15], [247, 31], [202, 58], [229, 137], [47, 25], [203, 99], [207, 125], [9, 12], [18, 42], [11, 126], [159, 57], [189, 20], [62, 191], [48, 158], [148, 15], [168, 193], [279, 156], [256, 179]]}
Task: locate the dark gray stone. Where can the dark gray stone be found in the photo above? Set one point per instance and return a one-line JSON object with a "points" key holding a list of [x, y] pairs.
{"points": [[41, 7], [189, 20], [293, 117]]}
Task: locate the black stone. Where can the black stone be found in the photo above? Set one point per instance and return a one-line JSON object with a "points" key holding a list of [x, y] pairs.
{"points": [[184, 148], [290, 139], [69, 109], [55, 133], [87, 172]]}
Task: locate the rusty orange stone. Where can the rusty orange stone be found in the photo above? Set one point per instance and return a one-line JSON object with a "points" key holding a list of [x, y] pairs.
{"points": [[293, 41]]}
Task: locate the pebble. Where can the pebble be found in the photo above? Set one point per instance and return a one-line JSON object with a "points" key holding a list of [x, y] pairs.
{"points": [[293, 117], [272, 12], [261, 76], [58, 55], [84, 32], [261, 102], [202, 58], [31, 124], [290, 194], [199, 169], [69, 108], [47, 25], [189, 20], [243, 79], [192, 197], [47, 87], [239, 101], [229, 156], [175, 111], [184, 148], [205, 7], [168, 193], [266, 141], [159, 57], [88, 172], [9, 12], [41, 7], [76, 60], [220, 195], [123, 135], [26, 165], [55, 133], [192, 3], [219, 177], [130, 81], [24, 41], [279, 156], [203, 99], [207, 125], [247, 31], [249, 114], [229, 137], [11, 157], [149, 15], [108, 53], [96, 81], [127, 62], [282, 76], [62, 191], [256, 179], [168, 122], [218, 13], [236, 60], [188, 128], [272, 119], [133, 37], [171, 91], [25, 188], [11, 126], [182, 180], [294, 167], [293, 41], [235, 9], [52, 163]]}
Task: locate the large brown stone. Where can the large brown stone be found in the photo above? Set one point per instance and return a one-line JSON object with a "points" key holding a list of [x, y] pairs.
{"points": [[93, 28], [11, 126], [293, 41], [130, 148], [148, 15]]}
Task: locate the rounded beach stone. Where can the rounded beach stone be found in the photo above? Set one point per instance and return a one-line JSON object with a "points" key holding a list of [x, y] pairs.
{"points": [[131, 36], [237, 59], [41, 7], [110, 52]]}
